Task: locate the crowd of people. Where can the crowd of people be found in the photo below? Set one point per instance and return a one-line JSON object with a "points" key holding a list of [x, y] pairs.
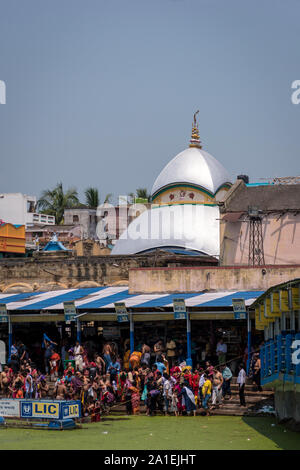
{"points": [[153, 376]]}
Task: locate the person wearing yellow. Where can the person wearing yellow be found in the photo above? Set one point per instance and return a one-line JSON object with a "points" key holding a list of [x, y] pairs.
{"points": [[206, 392], [126, 359], [135, 359]]}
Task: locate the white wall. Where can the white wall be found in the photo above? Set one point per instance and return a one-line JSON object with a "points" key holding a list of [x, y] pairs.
{"points": [[13, 208]]}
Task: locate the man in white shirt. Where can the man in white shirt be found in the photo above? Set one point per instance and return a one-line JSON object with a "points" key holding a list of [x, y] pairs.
{"points": [[221, 351], [241, 380]]}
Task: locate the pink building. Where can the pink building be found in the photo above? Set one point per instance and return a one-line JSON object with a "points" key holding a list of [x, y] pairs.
{"points": [[278, 208]]}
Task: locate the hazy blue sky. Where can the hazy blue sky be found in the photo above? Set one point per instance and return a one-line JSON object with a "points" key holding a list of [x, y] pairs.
{"points": [[102, 93]]}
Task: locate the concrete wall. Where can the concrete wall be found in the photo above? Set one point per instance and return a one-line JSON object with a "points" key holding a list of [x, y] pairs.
{"points": [[195, 279], [63, 270], [281, 238], [287, 403]]}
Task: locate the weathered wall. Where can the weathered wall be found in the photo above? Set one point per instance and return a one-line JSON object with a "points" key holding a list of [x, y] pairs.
{"points": [[287, 403], [64, 270], [195, 279]]}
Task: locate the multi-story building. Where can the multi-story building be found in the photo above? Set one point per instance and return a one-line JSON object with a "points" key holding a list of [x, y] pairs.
{"points": [[20, 209]]}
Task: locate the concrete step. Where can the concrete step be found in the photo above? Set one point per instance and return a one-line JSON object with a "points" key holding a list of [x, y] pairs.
{"points": [[239, 411]]}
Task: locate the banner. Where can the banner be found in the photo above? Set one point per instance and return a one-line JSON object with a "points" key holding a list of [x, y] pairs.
{"points": [[70, 311], [70, 410], [3, 314], [121, 311], [284, 301], [263, 321], [39, 409], [50, 409], [275, 304], [267, 310], [179, 309], [258, 324], [10, 408], [296, 298], [239, 309]]}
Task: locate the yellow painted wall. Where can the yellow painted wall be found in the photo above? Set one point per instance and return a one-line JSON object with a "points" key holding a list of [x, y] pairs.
{"points": [[12, 239]]}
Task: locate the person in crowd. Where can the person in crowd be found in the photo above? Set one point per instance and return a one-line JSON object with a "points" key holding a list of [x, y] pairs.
{"points": [[221, 351], [78, 354], [146, 355], [54, 365], [5, 380], [60, 390], [28, 384], [206, 393], [13, 363], [256, 371], [158, 349], [135, 359], [23, 354], [107, 352], [188, 398], [241, 381], [171, 351], [160, 365], [114, 369], [43, 388], [227, 376], [135, 397], [217, 383]]}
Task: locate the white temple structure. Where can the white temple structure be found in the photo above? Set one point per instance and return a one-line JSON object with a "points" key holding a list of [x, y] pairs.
{"points": [[185, 213]]}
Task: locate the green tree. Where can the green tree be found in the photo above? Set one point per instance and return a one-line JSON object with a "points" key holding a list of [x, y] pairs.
{"points": [[143, 194], [92, 199], [55, 201]]}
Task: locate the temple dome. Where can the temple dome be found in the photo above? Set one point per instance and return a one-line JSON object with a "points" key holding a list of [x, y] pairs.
{"points": [[192, 166], [193, 227]]}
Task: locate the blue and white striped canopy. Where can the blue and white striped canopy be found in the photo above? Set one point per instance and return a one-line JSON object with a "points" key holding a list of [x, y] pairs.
{"points": [[104, 298]]}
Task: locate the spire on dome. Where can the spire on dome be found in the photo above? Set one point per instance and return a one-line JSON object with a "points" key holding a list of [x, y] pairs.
{"points": [[195, 139]]}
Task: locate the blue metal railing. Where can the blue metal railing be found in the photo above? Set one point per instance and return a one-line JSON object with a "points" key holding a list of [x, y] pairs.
{"points": [[277, 360]]}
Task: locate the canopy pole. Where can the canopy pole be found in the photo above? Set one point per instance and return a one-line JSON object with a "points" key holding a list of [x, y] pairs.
{"points": [[249, 340], [9, 337], [189, 361], [131, 333], [78, 328]]}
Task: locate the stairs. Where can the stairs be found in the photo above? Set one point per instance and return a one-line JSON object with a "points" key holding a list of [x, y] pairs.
{"points": [[254, 400]]}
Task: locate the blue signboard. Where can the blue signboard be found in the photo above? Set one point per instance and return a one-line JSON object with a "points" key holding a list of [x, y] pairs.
{"points": [[179, 309], [239, 309], [50, 409], [121, 311], [70, 311]]}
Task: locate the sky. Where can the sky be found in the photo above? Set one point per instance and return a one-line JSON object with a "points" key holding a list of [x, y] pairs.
{"points": [[101, 93]]}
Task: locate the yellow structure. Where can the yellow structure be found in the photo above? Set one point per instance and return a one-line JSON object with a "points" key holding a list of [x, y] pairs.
{"points": [[12, 238]]}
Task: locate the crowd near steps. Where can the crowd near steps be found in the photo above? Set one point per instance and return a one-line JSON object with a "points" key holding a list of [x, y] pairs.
{"points": [[255, 401]]}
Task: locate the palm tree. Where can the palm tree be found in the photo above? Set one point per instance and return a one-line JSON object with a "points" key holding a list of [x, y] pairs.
{"points": [[142, 193], [92, 198], [55, 201], [108, 198]]}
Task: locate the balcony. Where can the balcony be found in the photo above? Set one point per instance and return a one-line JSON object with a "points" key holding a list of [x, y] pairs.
{"points": [[40, 219]]}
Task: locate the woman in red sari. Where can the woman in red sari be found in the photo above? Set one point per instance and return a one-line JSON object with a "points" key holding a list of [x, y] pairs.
{"points": [[135, 398]]}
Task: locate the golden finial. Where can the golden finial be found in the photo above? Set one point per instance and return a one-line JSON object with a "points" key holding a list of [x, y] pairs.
{"points": [[195, 139]]}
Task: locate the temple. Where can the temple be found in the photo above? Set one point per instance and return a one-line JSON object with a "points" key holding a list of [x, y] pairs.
{"points": [[185, 213]]}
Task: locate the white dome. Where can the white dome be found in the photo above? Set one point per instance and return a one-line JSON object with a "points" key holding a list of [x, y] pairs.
{"points": [[193, 227], [194, 166]]}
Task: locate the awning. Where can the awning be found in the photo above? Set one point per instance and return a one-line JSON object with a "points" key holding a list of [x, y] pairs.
{"points": [[103, 298]]}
